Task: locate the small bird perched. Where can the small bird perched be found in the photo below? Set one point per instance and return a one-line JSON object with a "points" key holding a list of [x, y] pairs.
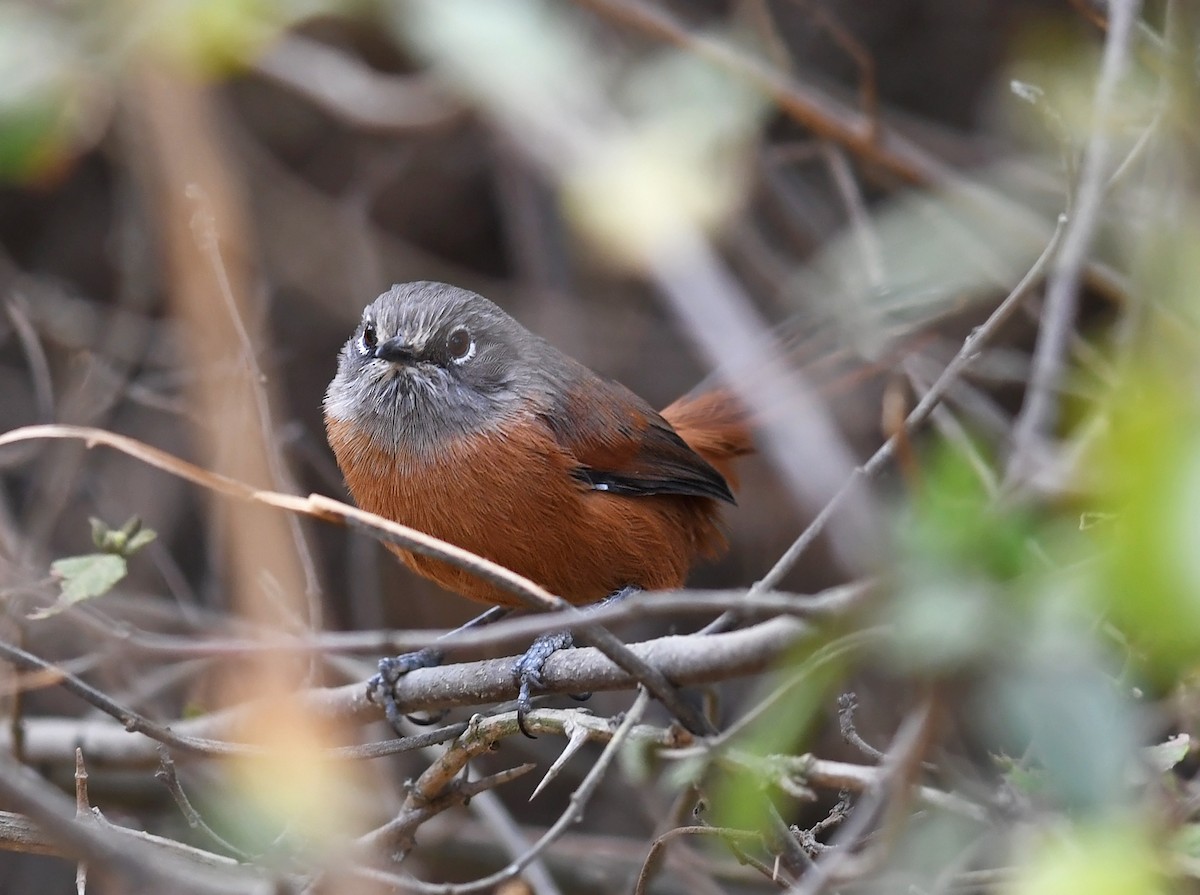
{"points": [[448, 416]]}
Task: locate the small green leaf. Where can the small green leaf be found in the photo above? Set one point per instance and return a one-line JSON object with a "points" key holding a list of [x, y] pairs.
{"points": [[100, 531], [140, 540], [124, 541], [84, 577]]}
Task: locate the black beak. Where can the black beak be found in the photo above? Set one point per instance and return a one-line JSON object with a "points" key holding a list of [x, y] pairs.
{"points": [[397, 351]]}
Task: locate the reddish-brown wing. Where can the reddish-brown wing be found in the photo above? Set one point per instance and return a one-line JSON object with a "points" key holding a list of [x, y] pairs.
{"points": [[623, 446]]}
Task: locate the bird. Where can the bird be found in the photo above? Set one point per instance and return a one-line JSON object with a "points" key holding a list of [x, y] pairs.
{"points": [[450, 417]]}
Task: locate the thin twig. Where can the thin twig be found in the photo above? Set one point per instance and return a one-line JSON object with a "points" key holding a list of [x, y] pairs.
{"points": [[858, 216], [1039, 411], [204, 231], [511, 633], [35, 355], [499, 819], [658, 847], [847, 705], [902, 760], [856, 131], [170, 778]]}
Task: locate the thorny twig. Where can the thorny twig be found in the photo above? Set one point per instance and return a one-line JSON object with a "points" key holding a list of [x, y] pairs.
{"points": [[169, 777], [574, 812], [901, 762], [838, 813]]}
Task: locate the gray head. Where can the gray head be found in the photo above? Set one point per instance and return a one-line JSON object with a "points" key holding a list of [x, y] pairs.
{"points": [[431, 362]]}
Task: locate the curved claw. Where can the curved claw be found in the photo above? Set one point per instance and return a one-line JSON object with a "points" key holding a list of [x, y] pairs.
{"points": [[524, 707]]}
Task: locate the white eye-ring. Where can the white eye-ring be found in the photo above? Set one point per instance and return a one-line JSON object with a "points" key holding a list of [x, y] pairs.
{"points": [[368, 339], [461, 346]]}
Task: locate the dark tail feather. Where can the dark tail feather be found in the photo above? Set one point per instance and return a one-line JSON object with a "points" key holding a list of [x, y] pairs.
{"points": [[716, 425]]}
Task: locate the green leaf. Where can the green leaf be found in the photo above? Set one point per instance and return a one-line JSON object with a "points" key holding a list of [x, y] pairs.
{"points": [[955, 525], [739, 800], [84, 577], [215, 37], [43, 86], [140, 540], [1147, 468], [965, 561]]}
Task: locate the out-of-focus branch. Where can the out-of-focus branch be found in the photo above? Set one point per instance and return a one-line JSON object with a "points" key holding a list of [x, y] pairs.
{"points": [[138, 860], [824, 116], [1039, 412], [349, 90]]}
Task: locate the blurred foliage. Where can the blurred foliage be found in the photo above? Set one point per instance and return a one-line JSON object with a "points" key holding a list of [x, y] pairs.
{"points": [[216, 37], [43, 82], [646, 149], [61, 65], [1145, 467], [1116, 858]]}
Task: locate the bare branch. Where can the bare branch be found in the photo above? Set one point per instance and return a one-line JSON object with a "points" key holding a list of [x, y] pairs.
{"points": [[1039, 411]]}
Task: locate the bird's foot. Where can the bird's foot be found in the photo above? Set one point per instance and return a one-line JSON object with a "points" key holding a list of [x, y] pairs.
{"points": [[381, 688], [528, 671], [528, 668]]}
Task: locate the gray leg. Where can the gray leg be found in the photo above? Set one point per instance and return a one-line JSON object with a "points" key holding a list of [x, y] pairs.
{"points": [[528, 668], [381, 688]]}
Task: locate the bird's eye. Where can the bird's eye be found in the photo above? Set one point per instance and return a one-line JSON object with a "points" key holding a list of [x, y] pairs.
{"points": [[460, 345], [369, 339]]}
